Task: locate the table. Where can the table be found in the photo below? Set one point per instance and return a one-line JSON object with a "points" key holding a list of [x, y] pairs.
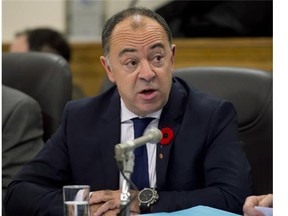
{"points": [[196, 211]]}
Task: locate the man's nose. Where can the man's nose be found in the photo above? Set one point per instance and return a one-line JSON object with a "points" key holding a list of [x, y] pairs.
{"points": [[146, 71]]}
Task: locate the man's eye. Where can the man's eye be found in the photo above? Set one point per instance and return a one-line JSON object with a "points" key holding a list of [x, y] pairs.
{"points": [[158, 59], [131, 63]]}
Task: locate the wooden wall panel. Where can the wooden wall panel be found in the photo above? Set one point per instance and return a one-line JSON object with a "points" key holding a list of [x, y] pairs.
{"points": [[88, 72], [241, 52]]}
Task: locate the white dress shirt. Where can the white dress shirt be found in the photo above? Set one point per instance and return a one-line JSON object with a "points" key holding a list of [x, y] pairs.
{"points": [[127, 134]]}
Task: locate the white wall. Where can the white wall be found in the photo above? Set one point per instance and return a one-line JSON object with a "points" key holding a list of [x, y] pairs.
{"points": [[114, 6], [20, 14]]}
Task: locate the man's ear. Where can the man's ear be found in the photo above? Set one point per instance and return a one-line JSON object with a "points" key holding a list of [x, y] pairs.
{"points": [[173, 49], [105, 64]]}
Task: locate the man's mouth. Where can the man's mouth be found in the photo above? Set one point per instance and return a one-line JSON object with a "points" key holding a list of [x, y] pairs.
{"points": [[147, 91], [148, 94]]}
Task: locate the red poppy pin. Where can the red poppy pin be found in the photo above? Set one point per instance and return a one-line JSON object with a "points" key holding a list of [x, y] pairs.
{"points": [[168, 135]]}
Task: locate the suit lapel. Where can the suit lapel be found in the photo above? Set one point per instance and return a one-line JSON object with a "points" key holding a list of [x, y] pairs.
{"points": [[111, 129], [171, 117]]}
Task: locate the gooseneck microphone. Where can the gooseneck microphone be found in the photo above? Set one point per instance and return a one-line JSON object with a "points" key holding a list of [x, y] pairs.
{"points": [[153, 135], [124, 156]]}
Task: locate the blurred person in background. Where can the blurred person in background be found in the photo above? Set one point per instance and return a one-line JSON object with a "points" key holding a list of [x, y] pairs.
{"points": [[45, 40], [22, 133], [41, 40]]}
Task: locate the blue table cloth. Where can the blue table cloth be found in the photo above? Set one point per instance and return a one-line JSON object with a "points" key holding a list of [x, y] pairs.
{"points": [[196, 211]]}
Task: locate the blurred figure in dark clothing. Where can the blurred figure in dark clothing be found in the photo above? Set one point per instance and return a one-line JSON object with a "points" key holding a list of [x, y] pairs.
{"points": [[218, 18], [45, 40]]}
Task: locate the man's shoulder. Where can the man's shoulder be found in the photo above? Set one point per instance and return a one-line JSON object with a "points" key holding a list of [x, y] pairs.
{"points": [[15, 102], [12, 98], [101, 101], [14, 95]]}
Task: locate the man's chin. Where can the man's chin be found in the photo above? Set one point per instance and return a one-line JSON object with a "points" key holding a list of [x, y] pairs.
{"points": [[147, 109]]}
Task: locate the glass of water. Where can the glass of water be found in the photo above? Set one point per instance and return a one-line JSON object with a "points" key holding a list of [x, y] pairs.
{"points": [[76, 200]]}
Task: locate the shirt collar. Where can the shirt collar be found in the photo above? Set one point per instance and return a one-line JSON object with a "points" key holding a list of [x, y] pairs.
{"points": [[128, 115]]}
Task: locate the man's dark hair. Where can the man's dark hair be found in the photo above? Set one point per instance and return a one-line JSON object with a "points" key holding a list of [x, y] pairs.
{"points": [[117, 18], [47, 40]]}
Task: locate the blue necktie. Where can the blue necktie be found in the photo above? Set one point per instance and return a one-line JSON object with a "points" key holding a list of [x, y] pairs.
{"points": [[140, 175]]}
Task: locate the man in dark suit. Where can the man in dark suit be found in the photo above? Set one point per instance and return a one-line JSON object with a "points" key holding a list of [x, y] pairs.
{"points": [[21, 132], [199, 161]]}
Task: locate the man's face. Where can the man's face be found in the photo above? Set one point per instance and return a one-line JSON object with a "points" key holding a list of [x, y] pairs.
{"points": [[140, 62], [20, 44]]}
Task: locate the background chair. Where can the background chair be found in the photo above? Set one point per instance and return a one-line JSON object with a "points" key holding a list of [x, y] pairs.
{"points": [[45, 77], [250, 91]]}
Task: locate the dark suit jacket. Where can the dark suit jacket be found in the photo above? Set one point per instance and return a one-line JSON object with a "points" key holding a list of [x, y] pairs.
{"points": [[202, 165]]}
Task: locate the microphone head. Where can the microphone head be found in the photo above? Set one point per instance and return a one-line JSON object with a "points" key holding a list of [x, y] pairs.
{"points": [[153, 136], [156, 135]]}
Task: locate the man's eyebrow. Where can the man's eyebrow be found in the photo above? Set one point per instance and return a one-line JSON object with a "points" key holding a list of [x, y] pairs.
{"points": [[157, 45], [126, 50], [131, 50]]}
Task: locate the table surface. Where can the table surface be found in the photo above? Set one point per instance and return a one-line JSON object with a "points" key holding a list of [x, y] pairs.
{"points": [[196, 211]]}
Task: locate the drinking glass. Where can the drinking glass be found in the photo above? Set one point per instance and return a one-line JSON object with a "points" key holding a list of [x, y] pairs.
{"points": [[76, 200]]}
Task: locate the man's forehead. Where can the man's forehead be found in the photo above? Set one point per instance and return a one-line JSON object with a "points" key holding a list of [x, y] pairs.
{"points": [[148, 40], [137, 32]]}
